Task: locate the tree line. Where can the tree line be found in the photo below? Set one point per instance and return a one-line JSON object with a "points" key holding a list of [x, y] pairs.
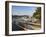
{"points": [[37, 14]]}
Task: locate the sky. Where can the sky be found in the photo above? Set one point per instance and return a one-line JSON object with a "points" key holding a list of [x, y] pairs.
{"points": [[23, 10]]}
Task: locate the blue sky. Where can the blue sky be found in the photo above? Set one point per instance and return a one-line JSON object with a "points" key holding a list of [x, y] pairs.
{"points": [[23, 10]]}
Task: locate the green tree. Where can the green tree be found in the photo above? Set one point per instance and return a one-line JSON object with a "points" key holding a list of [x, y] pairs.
{"points": [[37, 14]]}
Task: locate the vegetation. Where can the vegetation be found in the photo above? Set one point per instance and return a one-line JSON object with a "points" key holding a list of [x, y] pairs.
{"points": [[37, 14]]}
